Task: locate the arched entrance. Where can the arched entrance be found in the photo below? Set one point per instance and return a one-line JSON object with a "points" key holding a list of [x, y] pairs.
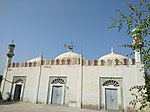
{"points": [[56, 91], [111, 95], [18, 90]]}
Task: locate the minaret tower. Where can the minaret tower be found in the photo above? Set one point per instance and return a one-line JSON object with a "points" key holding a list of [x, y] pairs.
{"points": [[10, 53], [137, 37]]}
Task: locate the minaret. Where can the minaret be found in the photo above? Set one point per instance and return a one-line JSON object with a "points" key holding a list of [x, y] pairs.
{"points": [[10, 53], [137, 36]]}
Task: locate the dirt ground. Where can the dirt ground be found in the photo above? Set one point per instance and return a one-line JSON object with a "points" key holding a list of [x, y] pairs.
{"points": [[30, 107]]}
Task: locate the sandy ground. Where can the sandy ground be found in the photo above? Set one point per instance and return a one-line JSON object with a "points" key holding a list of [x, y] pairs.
{"points": [[29, 107]]}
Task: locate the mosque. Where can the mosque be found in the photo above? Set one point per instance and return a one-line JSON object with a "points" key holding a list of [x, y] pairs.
{"points": [[71, 80]]}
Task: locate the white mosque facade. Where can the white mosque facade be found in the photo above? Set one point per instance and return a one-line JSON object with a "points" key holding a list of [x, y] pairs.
{"points": [[70, 80]]}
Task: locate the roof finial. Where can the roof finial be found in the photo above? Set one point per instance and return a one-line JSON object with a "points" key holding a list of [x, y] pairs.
{"points": [[69, 47], [12, 41], [41, 54], [112, 49]]}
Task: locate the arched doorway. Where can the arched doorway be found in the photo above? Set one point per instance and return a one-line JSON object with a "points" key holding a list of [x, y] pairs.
{"points": [[18, 90], [57, 91], [111, 95]]}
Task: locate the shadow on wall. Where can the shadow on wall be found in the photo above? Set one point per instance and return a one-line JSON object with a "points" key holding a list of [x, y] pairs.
{"points": [[8, 101], [2, 102]]}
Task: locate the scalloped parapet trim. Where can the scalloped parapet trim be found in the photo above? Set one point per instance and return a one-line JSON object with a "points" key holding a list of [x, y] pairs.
{"points": [[76, 62]]}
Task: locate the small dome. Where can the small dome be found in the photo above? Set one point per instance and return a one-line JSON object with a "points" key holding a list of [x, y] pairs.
{"points": [[38, 59], [70, 55], [112, 56]]}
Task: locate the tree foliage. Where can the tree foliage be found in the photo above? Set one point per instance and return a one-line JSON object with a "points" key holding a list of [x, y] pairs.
{"points": [[137, 18], [141, 97]]}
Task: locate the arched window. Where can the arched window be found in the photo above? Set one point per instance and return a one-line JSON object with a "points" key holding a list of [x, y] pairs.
{"points": [[19, 80], [60, 81], [111, 82]]}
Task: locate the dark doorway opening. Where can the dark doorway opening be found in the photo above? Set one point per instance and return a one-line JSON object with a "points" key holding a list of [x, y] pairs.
{"points": [[17, 92]]}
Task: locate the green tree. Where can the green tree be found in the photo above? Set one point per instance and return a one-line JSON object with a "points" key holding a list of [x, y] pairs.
{"points": [[138, 18]]}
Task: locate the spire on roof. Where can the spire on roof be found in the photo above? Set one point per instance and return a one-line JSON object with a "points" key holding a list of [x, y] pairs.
{"points": [[12, 41], [112, 49]]}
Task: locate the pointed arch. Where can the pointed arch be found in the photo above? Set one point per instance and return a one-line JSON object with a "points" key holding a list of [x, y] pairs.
{"points": [[111, 82], [60, 81]]}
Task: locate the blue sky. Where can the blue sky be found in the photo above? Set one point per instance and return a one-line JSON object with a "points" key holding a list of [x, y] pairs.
{"points": [[46, 25]]}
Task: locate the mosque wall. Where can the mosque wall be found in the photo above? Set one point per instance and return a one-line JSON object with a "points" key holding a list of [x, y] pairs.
{"points": [[132, 75], [7, 85], [79, 84], [126, 76], [93, 78], [71, 75], [92, 81], [31, 83]]}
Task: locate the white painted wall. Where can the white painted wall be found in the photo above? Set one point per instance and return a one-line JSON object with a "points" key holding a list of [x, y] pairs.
{"points": [[72, 74], [130, 74], [31, 81]]}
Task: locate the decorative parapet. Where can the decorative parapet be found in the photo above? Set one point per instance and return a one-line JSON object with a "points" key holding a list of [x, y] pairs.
{"points": [[109, 62]]}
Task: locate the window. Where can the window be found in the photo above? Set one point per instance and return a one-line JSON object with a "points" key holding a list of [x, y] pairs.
{"points": [[60, 81], [111, 82]]}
